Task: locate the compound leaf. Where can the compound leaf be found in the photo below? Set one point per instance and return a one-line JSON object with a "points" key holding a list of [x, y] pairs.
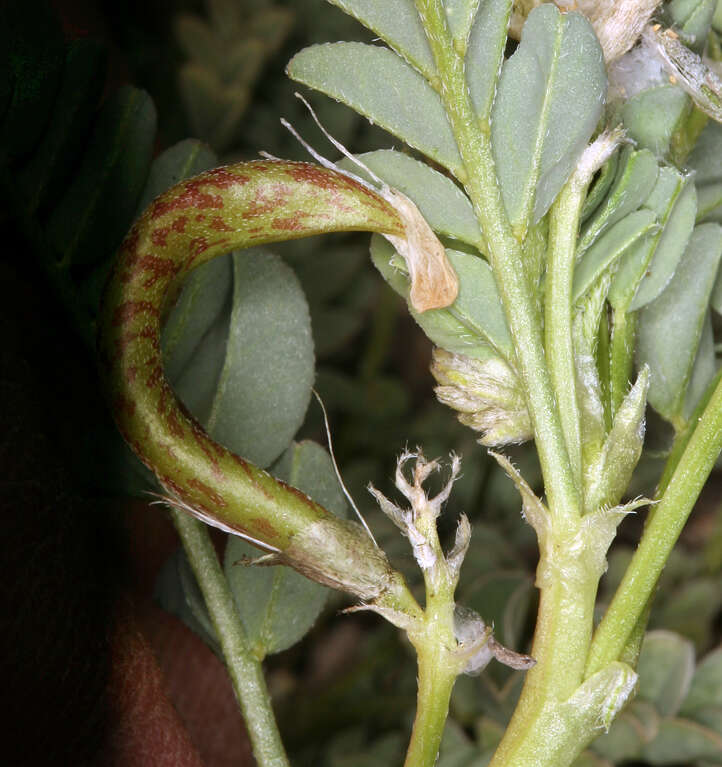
{"points": [[548, 102], [632, 186], [485, 53], [706, 687], [97, 209], [669, 249], [666, 666], [703, 369], [397, 23], [706, 157], [474, 324], [47, 172], [406, 106], [635, 283], [675, 321], [693, 19], [265, 384], [680, 741], [610, 246], [199, 306], [652, 116]]}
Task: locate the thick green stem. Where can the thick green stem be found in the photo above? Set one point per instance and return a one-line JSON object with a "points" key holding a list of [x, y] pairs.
{"points": [[435, 682], [473, 137], [567, 588], [659, 537], [244, 668], [562, 730], [562, 636], [561, 254]]}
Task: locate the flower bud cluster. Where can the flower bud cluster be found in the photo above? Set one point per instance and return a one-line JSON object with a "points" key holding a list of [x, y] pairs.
{"points": [[486, 393]]}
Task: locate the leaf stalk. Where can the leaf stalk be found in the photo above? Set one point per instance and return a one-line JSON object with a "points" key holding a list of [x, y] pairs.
{"points": [[563, 230], [661, 532], [244, 668]]}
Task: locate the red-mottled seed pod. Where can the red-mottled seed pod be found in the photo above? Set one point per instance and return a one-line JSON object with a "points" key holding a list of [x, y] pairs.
{"points": [[222, 210]]}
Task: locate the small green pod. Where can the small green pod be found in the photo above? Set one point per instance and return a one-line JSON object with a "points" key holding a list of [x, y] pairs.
{"points": [[609, 477]]}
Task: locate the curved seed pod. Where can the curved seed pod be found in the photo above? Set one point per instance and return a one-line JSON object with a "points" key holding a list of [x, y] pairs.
{"points": [[219, 211]]}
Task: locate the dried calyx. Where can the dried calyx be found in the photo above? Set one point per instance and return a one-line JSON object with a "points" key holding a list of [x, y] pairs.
{"points": [[685, 67], [618, 23], [434, 283], [475, 643], [418, 523]]}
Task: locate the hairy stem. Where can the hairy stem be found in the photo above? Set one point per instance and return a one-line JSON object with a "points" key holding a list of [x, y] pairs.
{"points": [[660, 534], [243, 667], [473, 137], [435, 683], [565, 617], [563, 231], [562, 636]]}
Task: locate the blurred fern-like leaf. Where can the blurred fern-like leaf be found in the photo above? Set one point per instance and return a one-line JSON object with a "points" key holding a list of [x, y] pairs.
{"points": [[225, 54]]}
